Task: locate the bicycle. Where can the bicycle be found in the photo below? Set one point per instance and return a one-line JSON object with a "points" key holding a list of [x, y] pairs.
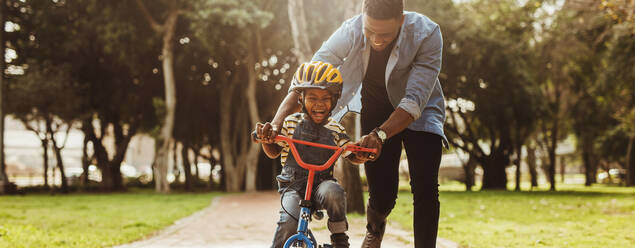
{"points": [[304, 238]]}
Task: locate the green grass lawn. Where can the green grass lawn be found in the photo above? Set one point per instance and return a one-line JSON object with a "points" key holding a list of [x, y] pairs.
{"points": [[91, 220], [575, 216]]}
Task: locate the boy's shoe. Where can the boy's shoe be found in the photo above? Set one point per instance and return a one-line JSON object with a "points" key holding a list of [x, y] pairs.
{"points": [[339, 240], [374, 229]]}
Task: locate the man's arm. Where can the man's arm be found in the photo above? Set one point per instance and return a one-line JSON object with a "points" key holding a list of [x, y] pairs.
{"points": [[337, 47], [397, 122], [268, 131], [288, 106], [423, 75]]}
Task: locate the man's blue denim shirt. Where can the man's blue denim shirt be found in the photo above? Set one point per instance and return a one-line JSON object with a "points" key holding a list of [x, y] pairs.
{"points": [[412, 71]]}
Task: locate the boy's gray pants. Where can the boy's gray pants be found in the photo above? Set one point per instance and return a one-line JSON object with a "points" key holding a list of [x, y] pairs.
{"points": [[328, 195]]}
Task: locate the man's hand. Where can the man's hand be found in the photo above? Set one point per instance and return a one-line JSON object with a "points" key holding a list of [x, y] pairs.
{"points": [[369, 141], [266, 132], [354, 160]]}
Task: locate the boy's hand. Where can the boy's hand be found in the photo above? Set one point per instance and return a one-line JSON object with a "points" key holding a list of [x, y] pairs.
{"points": [[266, 132], [369, 141]]}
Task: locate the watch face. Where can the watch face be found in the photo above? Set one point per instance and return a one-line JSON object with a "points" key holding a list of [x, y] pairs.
{"points": [[382, 134]]}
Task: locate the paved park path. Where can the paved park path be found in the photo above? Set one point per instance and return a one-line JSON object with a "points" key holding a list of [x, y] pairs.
{"points": [[248, 221]]}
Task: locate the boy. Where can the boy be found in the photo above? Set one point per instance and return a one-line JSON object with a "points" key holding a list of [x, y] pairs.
{"points": [[319, 85]]}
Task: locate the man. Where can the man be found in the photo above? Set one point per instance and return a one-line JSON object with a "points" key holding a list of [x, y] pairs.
{"points": [[395, 57]]}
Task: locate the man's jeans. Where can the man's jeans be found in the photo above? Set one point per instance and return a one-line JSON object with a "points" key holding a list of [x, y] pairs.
{"points": [[329, 195]]}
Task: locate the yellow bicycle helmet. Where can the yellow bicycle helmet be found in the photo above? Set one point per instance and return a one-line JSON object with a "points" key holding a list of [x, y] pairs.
{"points": [[318, 75]]}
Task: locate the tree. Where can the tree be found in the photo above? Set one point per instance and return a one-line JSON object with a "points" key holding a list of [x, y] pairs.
{"points": [[301, 47], [618, 75], [105, 58], [590, 35], [166, 30], [237, 71], [197, 108], [45, 99], [487, 82], [4, 179]]}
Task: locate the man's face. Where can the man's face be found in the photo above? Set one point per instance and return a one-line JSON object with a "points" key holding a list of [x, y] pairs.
{"points": [[318, 104], [381, 32]]}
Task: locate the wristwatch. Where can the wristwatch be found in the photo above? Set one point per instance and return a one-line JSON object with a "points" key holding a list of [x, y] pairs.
{"points": [[381, 134]]}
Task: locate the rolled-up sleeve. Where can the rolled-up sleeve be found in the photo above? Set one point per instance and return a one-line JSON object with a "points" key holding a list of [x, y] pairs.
{"points": [[423, 75]]}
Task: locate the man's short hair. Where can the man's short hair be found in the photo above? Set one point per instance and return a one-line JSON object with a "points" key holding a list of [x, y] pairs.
{"points": [[383, 9]]}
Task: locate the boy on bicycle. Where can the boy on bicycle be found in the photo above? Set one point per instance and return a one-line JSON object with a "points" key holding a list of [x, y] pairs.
{"points": [[319, 85]]}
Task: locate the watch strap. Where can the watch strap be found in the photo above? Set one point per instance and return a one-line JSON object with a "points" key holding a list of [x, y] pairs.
{"points": [[376, 131]]}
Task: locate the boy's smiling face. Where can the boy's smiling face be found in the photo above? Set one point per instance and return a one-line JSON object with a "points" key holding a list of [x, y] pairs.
{"points": [[318, 104]]}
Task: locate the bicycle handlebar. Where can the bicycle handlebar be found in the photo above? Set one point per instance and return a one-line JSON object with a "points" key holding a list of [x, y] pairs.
{"points": [[328, 163]]}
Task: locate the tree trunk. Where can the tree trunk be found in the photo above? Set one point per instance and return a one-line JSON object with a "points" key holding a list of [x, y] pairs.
{"points": [[110, 169], [116, 176], [160, 168], [518, 162], [630, 161], [60, 162], [552, 142], [167, 56], [494, 175], [212, 184], [175, 167], [45, 149], [531, 163], [196, 152], [103, 164], [350, 176], [552, 158], [552, 170], [266, 168], [187, 167], [353, 186], [223, 176], [4, 178], [121, 146], [301, 46], [468, 168], [251, 156], [233, 172], [85, 163], [562, 168]]}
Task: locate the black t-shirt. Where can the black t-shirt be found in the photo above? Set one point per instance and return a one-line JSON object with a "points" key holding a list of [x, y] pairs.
{"points": [[376, 107]]}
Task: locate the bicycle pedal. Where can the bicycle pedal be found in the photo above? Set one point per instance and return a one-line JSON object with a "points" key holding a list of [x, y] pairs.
{"points": [[325, 246]]}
